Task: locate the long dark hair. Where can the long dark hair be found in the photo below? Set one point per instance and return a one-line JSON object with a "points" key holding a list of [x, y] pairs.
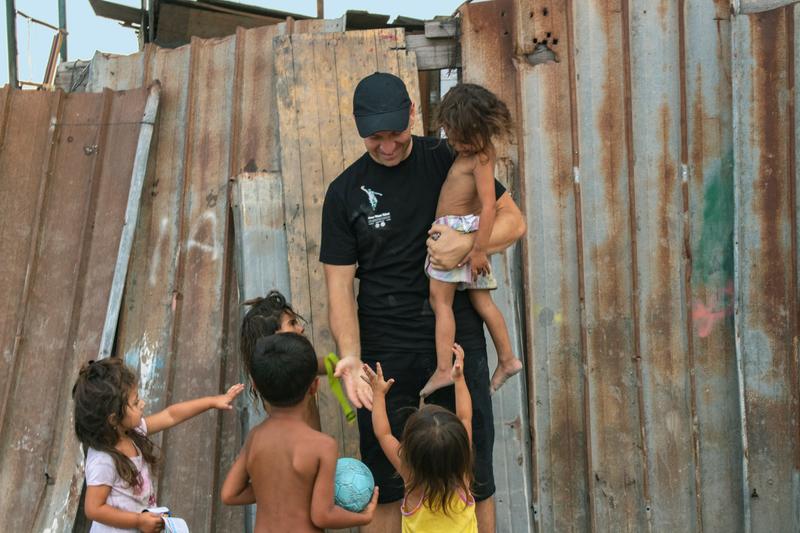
{"points": [[436, 452], [473, 115], [262, 319], [102, 391]]}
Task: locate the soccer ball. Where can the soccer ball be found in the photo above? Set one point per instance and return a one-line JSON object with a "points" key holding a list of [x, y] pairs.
{"points": [[353, 484]]}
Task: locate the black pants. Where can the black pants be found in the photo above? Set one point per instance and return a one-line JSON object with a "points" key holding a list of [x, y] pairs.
{"points": [[410, 372]]}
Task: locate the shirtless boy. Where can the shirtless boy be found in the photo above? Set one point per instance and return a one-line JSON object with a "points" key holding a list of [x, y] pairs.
{"points": [[286, 467]]}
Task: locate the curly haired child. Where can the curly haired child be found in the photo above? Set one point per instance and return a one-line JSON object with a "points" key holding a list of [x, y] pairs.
{"points": [[471, 117], [109, 422]]}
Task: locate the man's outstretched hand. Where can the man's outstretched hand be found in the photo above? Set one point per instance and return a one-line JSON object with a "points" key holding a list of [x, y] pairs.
{"points": [[359, 392]]}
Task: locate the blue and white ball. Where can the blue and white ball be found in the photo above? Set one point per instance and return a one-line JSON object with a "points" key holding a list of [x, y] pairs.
{"points": [[353, 484]]}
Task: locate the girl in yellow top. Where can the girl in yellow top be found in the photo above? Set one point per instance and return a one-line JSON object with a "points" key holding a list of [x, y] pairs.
{"points": [[434, 458]]}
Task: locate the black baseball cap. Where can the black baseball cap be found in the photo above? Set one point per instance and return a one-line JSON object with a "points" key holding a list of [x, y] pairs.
{"points": [[381, 103]]}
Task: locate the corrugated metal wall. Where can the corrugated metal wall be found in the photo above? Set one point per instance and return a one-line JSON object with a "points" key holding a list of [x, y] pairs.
{"points": [[66, 167], [660, 264], [656, 291]]}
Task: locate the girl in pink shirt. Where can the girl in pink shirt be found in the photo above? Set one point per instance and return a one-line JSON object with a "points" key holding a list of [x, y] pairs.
{"points": [[110, 424]]}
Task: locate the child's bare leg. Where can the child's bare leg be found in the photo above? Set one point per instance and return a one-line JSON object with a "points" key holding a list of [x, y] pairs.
{"points": [[441, 298], [507, 362]]}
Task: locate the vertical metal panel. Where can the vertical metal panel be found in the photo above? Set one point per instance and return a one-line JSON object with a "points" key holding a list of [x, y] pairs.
{"points": [[257, 147], [709, 146], [553, 268], [147, 317], [766, 305], [197, 364], [487, 48], [666, 390], [617, 473], [77, 213]]}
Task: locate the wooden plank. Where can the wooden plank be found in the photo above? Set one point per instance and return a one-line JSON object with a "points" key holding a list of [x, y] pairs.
{"points": [[201, 298], [660, 270], [617, 492], [310, 93], [487, 48], [711, 218], [765, 267]]}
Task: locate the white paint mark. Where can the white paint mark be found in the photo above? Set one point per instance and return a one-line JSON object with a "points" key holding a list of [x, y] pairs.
{"points": [[156, 260], [212, 247]]}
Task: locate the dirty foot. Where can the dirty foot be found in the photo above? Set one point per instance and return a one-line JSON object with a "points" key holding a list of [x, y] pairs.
{"points": [[439, 380], [503, 372]]}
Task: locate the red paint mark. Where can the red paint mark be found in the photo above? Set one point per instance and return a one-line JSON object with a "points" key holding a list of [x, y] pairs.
{"points": [[706, 316]]}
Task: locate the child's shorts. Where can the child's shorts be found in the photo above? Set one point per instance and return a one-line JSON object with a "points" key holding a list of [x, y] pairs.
{"points": [[462, 275]]}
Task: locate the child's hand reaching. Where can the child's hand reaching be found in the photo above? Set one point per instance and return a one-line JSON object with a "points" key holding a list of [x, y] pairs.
{"points": [[458, 365], [376, 381], [224, 401], [478, 262]]}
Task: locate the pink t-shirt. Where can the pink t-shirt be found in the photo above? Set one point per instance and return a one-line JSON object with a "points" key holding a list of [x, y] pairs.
{"points": [[100, 470]]}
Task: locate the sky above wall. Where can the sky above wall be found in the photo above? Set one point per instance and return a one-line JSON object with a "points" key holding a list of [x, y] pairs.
{"points": [[88, 32]]}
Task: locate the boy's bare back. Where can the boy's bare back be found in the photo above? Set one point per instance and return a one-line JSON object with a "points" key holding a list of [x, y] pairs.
{"points": [[283, 459], [459, 194]]}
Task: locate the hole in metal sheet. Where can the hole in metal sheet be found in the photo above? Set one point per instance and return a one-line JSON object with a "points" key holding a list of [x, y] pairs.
{"points": [[555, 41], [548, 34], [545, 12]]}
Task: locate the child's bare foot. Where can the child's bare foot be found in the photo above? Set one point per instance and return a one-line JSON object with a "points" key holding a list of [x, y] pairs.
{"points": [[439, 380], [503, 372]]}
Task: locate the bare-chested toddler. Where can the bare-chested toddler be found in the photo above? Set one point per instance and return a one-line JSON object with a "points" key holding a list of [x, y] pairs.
{"points": [[286, 467], [471, 117]]}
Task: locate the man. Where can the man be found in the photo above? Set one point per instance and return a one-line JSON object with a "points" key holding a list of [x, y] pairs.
{"points": [[375, 220]]}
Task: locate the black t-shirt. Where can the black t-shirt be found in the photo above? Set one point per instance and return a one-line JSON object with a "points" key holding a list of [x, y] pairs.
{"points": [[378, 217]]}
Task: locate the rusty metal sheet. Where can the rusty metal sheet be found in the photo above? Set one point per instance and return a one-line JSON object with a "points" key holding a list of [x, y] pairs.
{"points": [[85, 151], [197, 360], [553, 270], [766, 266], [659, 272], [487, 46], [617, 481], [709, 156]]}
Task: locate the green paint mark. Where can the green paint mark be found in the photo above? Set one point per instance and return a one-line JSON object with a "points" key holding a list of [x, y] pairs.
{"points": [[713, 256]]}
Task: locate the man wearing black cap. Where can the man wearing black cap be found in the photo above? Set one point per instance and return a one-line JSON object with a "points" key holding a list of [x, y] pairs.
{"points": [[375, 221]]}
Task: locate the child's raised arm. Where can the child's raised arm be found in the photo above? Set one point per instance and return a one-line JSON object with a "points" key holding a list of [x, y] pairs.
{"points": [[324, 512], [380, 420], [463, 398], [237, 490], [179, 412], [484, 183]]}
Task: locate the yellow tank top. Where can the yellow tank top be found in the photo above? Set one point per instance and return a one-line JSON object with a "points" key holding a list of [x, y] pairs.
{"points": [[420, 518]]}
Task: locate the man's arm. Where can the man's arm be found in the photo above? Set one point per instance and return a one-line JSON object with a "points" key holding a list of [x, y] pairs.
{"points": [[451, 247], [343, 321]]}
